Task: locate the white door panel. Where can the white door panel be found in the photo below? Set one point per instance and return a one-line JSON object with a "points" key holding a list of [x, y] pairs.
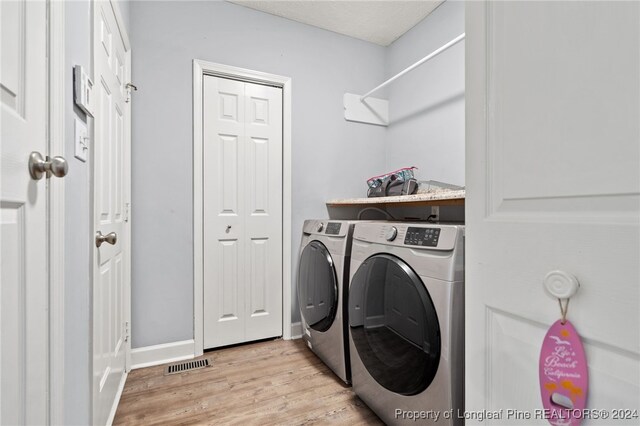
{"points": [[553, 99], [242, 211], [224, 177], [111, 177], [23, 215], [263, 192]]}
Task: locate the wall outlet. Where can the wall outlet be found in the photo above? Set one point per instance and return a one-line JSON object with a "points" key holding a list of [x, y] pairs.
{"points": [[81, 141], [435, 213]]}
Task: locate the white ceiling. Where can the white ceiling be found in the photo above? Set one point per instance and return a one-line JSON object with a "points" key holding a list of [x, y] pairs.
{"points": [[379, 22]]}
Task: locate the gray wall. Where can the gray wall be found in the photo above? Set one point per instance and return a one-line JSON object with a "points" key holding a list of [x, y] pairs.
{"points": [[125, 12], [78, 226], [331, 157], [427, 105]]}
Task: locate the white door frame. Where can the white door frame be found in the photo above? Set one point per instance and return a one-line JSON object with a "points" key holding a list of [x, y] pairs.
{"points": [[56, 207], [200, 69], [127, 184]]}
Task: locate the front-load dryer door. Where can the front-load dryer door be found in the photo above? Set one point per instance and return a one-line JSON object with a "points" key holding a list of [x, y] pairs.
{"points": [[394, 325], [317, 287]]}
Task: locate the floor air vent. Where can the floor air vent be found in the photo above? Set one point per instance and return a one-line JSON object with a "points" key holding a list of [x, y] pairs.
{"points": [[182, 367]]}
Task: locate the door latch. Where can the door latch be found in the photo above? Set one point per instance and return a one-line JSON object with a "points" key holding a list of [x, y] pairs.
{"points": [[129, 87]]}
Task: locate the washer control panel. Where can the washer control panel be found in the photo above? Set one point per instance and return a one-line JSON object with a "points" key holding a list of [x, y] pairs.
{"points": [[333, 228], [413, 236], [426, 237]]}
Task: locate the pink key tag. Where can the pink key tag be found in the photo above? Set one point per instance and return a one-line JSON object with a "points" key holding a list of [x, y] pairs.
{"points": [[563, 375]]}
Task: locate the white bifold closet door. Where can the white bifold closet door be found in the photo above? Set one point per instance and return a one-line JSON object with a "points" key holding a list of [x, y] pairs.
{"points": [[242, 212]]}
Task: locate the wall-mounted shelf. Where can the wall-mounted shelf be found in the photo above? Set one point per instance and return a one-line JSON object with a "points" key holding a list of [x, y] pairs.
{"points": [[365, 109], [438, 198]]}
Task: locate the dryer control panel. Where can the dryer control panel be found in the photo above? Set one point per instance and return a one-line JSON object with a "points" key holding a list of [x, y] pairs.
{"points": [[333, 228], [427, 237]]}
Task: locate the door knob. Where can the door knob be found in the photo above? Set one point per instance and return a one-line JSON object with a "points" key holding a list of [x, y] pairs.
{"points": [[110, 238], [38, 166]]}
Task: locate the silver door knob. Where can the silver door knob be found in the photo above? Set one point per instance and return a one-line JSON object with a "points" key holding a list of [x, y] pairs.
{"points": [[38, 166], [110, 238]]}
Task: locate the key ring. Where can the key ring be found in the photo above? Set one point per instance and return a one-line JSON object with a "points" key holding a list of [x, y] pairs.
{"points": [[563, 310]]}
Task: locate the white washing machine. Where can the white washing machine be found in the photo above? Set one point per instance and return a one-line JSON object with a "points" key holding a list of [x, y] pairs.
{"points": [[406, 320], [323, 273]]}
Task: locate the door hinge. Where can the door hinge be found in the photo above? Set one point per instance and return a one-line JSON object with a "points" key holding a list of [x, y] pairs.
{"points": [[126, 331], [127, 207]]}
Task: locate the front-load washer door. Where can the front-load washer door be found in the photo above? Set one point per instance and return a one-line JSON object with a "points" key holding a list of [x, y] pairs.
{"points": [[394, 325], [317, 287]]}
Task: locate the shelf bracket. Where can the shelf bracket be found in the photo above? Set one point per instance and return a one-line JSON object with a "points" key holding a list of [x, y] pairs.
{"points": [[370, 111]]}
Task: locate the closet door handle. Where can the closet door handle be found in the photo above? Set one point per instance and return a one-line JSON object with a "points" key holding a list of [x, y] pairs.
{"points": [[110, 238]]}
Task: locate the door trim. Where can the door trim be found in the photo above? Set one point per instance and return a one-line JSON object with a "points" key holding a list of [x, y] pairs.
{"points": [[200, 69], [56, 209]]}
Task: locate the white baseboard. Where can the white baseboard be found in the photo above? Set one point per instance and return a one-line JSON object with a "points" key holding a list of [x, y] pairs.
{"points": [[161, 354], [296, 330]]}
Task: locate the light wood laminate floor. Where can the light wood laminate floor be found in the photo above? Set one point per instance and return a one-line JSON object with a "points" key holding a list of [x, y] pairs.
{"points": [[275, 382]]}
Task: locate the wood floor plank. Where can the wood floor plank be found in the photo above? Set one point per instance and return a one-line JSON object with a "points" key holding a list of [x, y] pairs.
{"points": [[267, 383]]}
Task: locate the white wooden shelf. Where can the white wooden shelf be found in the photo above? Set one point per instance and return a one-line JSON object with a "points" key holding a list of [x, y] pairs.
{"points": [[436, 198]]}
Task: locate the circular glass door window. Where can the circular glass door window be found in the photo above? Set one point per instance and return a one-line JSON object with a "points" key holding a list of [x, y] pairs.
{"points": [[317, 287], [394, 325]]}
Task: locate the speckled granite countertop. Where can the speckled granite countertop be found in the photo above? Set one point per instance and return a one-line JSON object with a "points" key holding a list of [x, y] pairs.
{"points": [[426, 197]]}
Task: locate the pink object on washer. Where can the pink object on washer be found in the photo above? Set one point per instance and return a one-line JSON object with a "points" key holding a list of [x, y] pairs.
{"points": [[563, 375]]}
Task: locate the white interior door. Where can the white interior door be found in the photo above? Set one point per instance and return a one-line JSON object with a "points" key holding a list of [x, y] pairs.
{"points": [[111, 281], [242, 211], [23, 215], [553, 100]]}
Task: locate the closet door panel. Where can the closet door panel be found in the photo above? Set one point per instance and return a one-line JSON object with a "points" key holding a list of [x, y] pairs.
{"points": [[263, 195], [224, 210]]}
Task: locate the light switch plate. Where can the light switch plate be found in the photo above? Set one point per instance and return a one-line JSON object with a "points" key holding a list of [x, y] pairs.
{"points": [[81, 141], [83, 89]]}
